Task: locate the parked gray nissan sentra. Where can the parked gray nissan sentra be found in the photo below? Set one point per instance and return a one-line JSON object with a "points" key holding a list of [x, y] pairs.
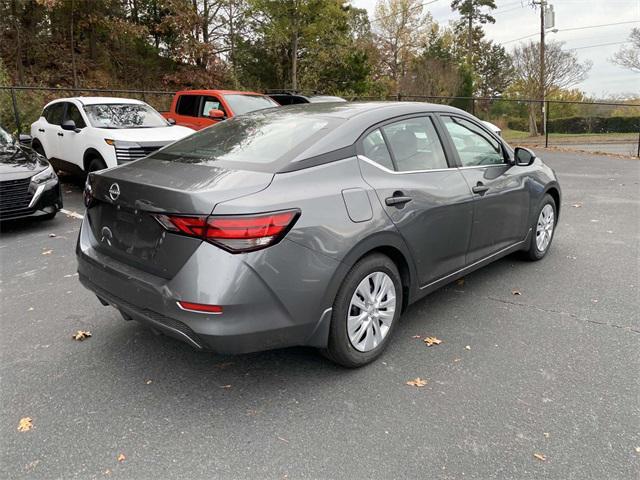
{"points": [[310, 225]]}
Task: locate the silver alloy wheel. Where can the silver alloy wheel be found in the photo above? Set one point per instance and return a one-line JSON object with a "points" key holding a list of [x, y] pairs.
{"points": [[544, 229], [371, 311]]}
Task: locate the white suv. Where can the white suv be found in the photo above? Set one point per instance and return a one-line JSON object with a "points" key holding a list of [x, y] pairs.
{"points": [[91, 133]]}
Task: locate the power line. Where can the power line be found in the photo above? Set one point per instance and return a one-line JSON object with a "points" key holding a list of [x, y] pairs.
{"points": [[600, 45], [572, 29]]}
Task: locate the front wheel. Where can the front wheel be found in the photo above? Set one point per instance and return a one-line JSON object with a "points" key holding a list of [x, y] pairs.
{"points": [[96, 164], [365, 312], [543, 229]]}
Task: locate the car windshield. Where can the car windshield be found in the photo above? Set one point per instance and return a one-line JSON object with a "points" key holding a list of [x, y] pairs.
{"points": [[124, 115], [252, 142], [249, 103]]}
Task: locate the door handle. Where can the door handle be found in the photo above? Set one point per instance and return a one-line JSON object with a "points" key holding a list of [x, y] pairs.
{"points": [[480, 188], [60, 134], [41, 130], [398, 200]]}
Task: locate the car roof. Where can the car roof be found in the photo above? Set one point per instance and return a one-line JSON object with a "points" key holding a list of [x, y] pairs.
{"points": [[97, 100], [217, 92], [354, 119]]}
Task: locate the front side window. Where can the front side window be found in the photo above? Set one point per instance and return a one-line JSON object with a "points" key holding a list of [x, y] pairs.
{"points": [[475, 147], [375, 149], [211, 103], [248, 103], [124, 115], [254, 141], [74, 114], [415, 145], [6, 140]]}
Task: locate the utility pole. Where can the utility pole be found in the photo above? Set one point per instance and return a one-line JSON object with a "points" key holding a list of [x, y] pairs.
{"points": [[547, 20]]}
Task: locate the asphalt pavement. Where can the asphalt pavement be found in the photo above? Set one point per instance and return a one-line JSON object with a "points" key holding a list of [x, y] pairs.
{"points": [[553, 371]]}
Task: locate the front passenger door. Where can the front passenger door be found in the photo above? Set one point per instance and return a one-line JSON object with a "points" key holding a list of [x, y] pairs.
{"points": [[501, 198]]}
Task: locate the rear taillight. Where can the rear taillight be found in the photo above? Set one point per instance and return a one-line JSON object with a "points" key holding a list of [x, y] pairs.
{"points": [[234, 233]]}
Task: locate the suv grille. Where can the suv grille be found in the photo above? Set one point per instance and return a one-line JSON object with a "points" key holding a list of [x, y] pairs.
{"points": [[14, 197], [128, 154]]}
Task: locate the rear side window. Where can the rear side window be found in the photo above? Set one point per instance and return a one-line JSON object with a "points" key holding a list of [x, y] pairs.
{"points": [[188, 105], [415, 145], [74, 114], [252, 142], [54, 113], [375, 149]]}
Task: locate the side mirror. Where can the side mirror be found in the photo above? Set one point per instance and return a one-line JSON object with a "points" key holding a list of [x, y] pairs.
{"points": [[70, 126], [171, 121], [25, 139], [524, 157], [216, 114]]}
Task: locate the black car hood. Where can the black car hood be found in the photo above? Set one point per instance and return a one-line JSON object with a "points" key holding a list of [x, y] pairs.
{"points": [[17, 160]]}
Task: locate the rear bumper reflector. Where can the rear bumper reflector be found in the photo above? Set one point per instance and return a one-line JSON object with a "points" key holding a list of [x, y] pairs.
{"points": [[200, 308]]}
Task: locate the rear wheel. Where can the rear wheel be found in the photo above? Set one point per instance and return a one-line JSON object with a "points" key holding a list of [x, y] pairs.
{"points": [[365, 312], [543, 229], [96, 164]]}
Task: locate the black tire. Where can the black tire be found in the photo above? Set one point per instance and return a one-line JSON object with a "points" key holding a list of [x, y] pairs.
{"points": [[339, 349], [95, 164], [533, 253]]}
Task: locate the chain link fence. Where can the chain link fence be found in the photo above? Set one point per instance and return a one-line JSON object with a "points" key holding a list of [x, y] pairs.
{"points": [[599, 127]]}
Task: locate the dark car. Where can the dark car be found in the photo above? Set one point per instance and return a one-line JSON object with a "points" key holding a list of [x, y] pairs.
{"points": [[289, 98], [29, 186], [310, 225]]}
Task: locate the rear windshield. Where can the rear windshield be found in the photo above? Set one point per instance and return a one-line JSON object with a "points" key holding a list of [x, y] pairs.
{"points": [[248, 103], [256, 141]]}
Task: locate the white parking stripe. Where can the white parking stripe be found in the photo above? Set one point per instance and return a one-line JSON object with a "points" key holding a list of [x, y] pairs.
{"points": [[69, 213]]}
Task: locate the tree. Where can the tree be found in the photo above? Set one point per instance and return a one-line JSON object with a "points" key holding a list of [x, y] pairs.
{"points": [[629, 57], [493, 70], [471, 18], [562, 70], [401, 28]]}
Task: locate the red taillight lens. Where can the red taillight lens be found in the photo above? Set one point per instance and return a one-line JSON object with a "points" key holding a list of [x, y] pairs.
{"points": [[235, 233], [200, 307]]}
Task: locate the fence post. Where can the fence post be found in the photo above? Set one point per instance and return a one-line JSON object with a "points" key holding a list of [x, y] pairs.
{"points": [[16, 114], [638, 145], [546, 124], [473, 106]]}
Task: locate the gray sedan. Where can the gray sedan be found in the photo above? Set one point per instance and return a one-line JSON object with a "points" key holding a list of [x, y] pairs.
{"points": [[310, 225]]}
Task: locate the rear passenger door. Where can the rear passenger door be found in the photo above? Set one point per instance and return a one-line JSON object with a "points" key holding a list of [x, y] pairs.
{"points": [[424, 195], [501, 197], [51, 138]]}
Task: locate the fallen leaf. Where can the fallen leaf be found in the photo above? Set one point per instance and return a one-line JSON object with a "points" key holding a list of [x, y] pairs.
{"points": [[417, 336], [577, 205], [47, 252], [30, 309], [52, 235], [595, 221], [107, 472], [540, 457], [418, 382], [81, 335], [432, 341], [121, 457], [546, 435], [225, 386], [609, 231], [25, 424], [468, 347], [460, 282], [283, 439], [594, 300], [149, 382], [457, 359], [516, 292], [637, 449]]}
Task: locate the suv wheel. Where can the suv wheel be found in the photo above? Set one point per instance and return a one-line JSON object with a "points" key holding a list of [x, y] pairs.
{"points": [[365, 312], [96, 164]]}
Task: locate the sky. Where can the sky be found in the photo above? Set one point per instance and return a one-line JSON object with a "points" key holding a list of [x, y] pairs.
{"points": [[514, 19]]}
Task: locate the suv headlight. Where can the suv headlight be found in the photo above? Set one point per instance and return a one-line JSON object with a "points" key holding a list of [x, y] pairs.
{"points": [[44, 176]]}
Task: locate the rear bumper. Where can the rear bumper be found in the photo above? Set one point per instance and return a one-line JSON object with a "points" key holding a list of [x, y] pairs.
{"points": [[259, 312]]}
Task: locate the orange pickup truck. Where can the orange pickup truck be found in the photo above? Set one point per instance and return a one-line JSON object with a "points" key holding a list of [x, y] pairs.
{"points": [[198, 109]]}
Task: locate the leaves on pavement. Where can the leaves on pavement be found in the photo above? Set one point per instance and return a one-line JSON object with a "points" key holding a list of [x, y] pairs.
{"points": [[25, 424], [416, 336], [460, 282], [52, 235], [468, 347], [430, 341], [417, 382], [540, 456], [47, 252], [81, 335], [577, 205], [225, 386], [121, 457], [516, 292]]}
